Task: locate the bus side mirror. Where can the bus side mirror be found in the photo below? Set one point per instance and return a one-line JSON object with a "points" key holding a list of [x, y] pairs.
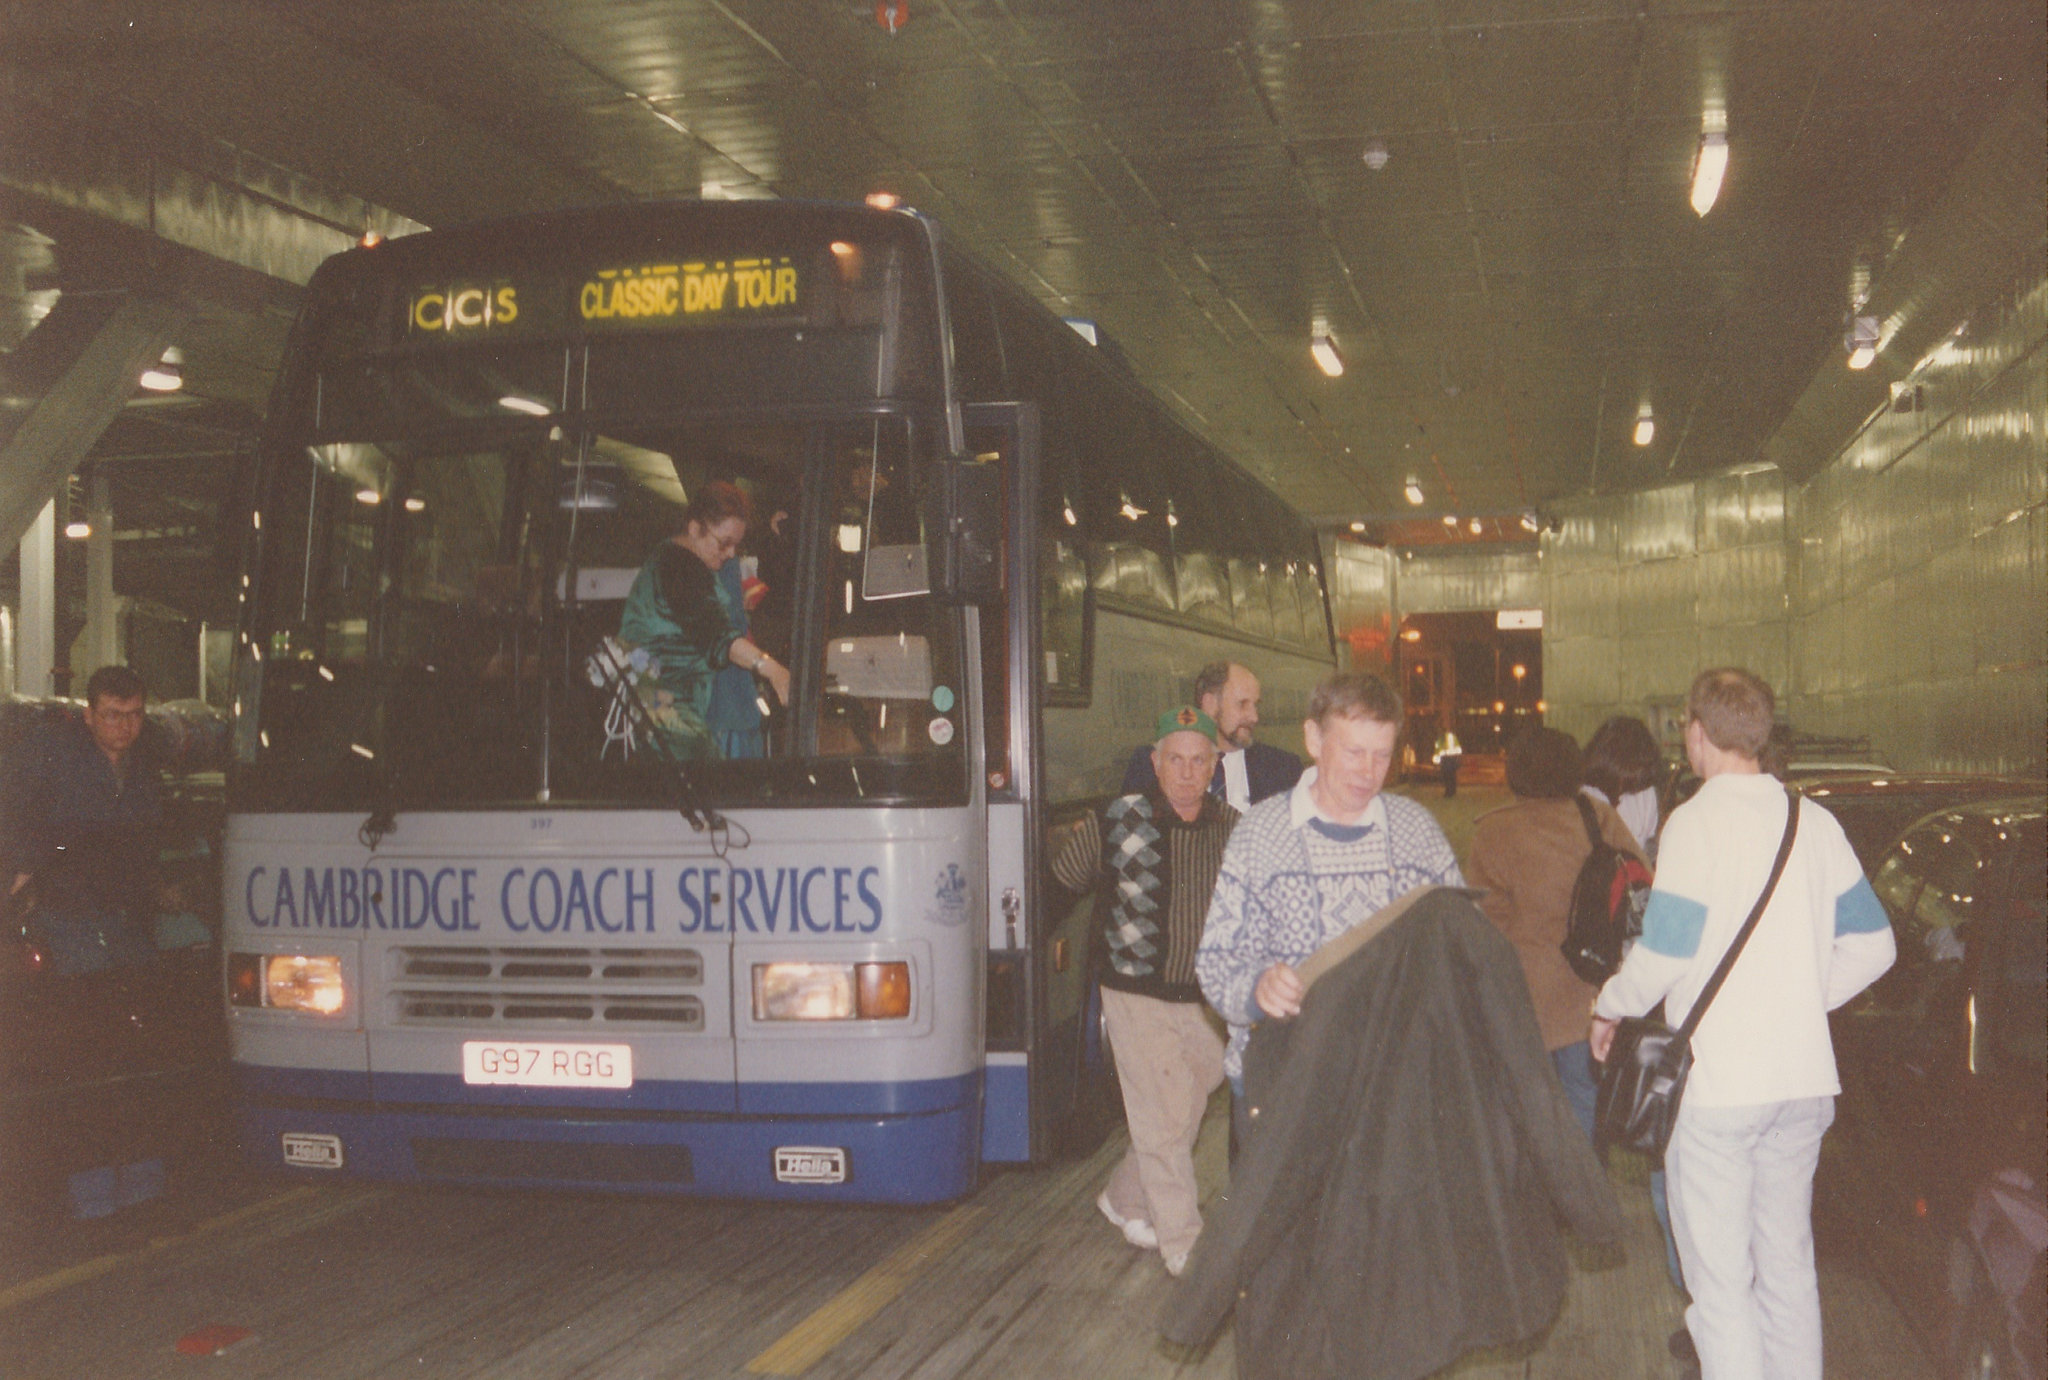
{"points": [[964, 532]]}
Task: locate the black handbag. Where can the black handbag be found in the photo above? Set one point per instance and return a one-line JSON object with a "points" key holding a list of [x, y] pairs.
{"points": [[1648, 1062]]}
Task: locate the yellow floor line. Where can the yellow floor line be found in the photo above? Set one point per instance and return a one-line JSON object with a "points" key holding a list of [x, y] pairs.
{"points": [[804, 1345], [44, 1285]]}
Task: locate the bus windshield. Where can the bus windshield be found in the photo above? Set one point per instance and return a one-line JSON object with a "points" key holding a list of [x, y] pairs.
{"points": [[505, 612]]}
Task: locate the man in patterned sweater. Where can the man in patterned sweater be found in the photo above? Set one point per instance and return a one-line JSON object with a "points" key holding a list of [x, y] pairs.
{"points": [[1304, 867], [1159, 850]]}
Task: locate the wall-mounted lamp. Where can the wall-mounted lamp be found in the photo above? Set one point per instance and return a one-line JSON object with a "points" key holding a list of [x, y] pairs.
{"points": [[1861, 341], [1646, 426], [1475, 527], [1375, 155], [1529, 523], [1450, 519], [1708, 168], [1413, 492], [512, 402], [1327, 358], [884, 201], [1358, 527]]}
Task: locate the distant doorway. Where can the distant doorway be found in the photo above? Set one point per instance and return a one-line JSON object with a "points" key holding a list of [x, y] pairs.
{"points": [[1459, 673]]}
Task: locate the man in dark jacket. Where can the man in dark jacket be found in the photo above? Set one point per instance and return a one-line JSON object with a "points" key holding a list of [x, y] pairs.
{"points": [[1409, 1151], [1157, 853], [80, 815], [1246, 772]]}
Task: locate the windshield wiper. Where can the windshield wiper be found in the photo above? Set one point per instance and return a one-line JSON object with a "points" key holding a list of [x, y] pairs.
{"points": [[690, 804]]}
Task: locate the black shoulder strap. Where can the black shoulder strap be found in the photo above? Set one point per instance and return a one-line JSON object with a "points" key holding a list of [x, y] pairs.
{"points": [[1756, 913]]}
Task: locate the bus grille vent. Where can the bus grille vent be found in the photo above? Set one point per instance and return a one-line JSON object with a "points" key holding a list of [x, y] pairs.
{"points": [[546, 988]]}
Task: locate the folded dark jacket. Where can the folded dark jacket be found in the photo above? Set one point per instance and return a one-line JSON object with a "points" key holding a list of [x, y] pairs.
{"points": [[1396, 1201]]}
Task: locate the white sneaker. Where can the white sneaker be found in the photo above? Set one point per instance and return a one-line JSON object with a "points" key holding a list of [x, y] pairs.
{"points": [[1176, 1265], [1136, 1230]]}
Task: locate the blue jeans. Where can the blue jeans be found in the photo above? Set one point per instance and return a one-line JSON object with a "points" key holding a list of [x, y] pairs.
{"points": [[1574, 1065]]}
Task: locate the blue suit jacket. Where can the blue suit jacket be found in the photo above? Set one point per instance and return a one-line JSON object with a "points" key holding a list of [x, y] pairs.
{"points": [[1268, 770]]}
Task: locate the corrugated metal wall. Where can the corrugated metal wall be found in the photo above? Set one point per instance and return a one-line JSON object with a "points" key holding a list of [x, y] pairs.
{"points": [[1902, 594], [1361, 603], [1467, 582], [1641, 591], [1920, 581]]}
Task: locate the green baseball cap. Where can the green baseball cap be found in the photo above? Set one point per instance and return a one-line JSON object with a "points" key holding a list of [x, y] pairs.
{"points": [[1186, 719]]}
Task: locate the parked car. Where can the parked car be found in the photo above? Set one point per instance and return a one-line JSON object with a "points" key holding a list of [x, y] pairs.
{"points": [[1939, 1158], [1875, 806]]}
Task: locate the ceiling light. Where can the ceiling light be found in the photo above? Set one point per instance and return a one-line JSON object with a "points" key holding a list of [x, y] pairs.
{"points": [[1707, 171], [1450, 519], [1376, 154], [1475, 527], [1358, 527], [512, 402], [1861, 341], [1529, 521], [369, 497], [1327, 358], [415, 504], [371, 239], [76, 530], [884, 201], [1646, 426], [1414, 492], [163, 377]]}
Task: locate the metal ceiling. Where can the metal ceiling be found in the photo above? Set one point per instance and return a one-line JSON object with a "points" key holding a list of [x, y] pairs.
{"points": [[1517, 280]]}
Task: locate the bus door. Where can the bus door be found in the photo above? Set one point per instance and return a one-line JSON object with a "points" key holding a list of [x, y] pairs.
{"points": [[1017, 1098]]}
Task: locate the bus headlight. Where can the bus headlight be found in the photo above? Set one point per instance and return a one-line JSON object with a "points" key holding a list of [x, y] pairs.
{"points": [[287, 982], [831, 991]]}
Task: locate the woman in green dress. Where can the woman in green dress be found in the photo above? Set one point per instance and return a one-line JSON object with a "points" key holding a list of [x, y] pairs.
{"points": [[683, 625]]}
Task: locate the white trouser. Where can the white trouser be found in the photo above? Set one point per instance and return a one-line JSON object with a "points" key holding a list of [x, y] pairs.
{"points": [[1741, 1186]]}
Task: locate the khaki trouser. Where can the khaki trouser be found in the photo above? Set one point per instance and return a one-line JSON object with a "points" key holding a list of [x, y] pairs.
{"points": [[1169, 1058]]}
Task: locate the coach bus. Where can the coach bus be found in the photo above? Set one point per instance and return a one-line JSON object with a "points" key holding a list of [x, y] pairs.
{"points": [[482, 926]]}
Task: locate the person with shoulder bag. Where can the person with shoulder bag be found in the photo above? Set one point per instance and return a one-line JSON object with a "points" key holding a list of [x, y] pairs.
{"points": [[1758, 1092]]}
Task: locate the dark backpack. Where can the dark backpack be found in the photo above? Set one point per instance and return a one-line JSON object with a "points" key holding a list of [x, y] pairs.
{"points": [[1607, 905]]}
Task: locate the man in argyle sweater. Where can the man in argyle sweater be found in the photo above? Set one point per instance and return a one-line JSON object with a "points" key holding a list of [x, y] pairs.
{"points": [[1304, 867], [1159, 851]]}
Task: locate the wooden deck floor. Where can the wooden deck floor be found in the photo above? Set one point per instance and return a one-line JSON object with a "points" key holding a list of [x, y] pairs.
{"points": [[1023, 1279]]}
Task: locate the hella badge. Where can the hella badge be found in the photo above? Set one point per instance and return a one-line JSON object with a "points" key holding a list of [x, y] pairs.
{"points": [[303, 1150], [810, 1164]]}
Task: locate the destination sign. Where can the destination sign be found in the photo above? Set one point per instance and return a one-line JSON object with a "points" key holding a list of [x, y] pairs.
{"points": [[705, 288], [680, 292]]}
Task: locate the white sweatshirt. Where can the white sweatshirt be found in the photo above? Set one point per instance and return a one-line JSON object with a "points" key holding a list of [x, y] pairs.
{"points": [[1822, 939]]}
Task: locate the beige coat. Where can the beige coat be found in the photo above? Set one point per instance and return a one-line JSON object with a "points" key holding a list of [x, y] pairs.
{"points": [[1527, 855]]}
